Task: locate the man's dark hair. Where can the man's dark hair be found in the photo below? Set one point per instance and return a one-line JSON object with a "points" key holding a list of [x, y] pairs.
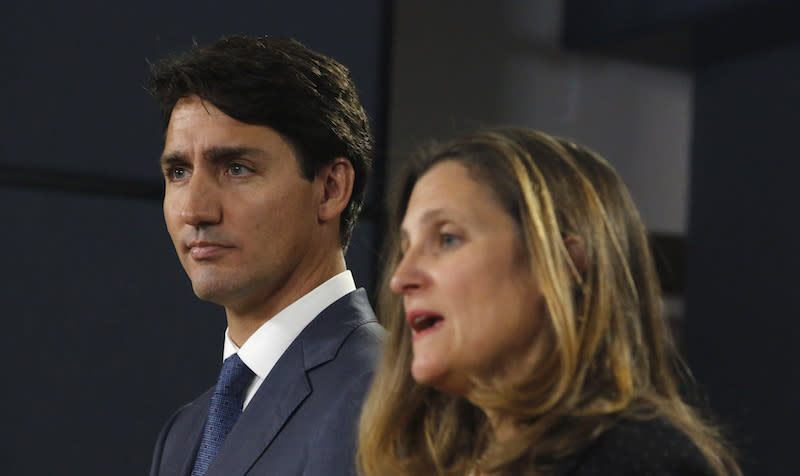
{"points": [[308, 98]]}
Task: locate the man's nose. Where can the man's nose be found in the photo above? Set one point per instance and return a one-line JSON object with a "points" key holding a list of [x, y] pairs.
{"points": [[201, 206]]}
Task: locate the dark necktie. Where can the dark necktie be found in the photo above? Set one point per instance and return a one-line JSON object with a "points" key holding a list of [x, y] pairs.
{"points": [[226, 406]]}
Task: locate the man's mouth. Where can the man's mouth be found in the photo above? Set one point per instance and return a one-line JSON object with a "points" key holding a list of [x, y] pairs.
{"points": [[201, 250]]}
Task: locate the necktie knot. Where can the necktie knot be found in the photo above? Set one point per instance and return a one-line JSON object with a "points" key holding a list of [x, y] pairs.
{"points": [[234, 376]]}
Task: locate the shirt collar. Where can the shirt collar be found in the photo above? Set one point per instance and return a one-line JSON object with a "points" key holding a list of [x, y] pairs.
{"points": [[263, 349]]}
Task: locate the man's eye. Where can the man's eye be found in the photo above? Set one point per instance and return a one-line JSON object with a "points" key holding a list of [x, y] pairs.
{"points": [[175, 173], [237, 169]]}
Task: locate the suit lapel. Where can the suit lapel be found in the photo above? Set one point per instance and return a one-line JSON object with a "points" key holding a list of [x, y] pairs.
{"points": [[287, 384], [194, 433], [282, 392]]}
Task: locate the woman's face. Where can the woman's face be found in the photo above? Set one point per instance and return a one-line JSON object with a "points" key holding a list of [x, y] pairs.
{"points": [[470, 300]]}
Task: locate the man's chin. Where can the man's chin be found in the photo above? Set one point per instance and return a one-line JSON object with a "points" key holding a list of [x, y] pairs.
{"points": [[211, 291]]}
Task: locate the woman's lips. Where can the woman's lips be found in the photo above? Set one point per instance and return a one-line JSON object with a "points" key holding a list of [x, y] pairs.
{"points": [[423, 322]]}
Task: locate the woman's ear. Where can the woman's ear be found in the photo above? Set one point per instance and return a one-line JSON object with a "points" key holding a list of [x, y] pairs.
{"points": [[576, 250]]}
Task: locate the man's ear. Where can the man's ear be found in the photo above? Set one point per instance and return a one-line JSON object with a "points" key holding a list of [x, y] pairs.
{"points": [[337, 180], [577, 251]]}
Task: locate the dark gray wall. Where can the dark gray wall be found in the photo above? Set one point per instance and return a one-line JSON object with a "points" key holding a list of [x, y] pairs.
{"points": [[741, 323], [743, 314], [102, 335]]}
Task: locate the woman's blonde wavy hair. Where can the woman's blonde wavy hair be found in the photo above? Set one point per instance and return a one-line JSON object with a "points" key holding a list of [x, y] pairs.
{"points": [[610, 351]]}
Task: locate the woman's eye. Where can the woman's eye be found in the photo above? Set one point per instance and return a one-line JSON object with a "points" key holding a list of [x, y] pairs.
{"points": [[449, 240]]}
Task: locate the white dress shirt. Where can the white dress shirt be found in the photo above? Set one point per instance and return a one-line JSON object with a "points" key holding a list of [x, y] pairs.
{"points": [[263, 349]]}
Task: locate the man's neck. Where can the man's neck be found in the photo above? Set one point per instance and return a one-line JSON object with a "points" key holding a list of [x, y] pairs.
{"points": [[244, 320]]}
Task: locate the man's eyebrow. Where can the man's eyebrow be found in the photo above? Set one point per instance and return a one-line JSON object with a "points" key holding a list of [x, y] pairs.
{"points": [[172, 159], [213, 154], [222, 153]]}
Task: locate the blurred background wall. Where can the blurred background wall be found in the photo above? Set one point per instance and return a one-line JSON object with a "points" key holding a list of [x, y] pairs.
{"points": [[694, 102]]}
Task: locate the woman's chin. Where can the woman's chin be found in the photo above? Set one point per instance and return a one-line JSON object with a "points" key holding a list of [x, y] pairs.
{"points": [[440, 380]]}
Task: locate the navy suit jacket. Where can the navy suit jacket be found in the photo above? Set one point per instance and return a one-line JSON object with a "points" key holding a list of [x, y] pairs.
{"points": [[303, 419]]}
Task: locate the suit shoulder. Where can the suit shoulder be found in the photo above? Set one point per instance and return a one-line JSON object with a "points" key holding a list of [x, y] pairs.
{"points": [[370, 333], [362, 345], [188, 409], [365, 334], [642, 447]]}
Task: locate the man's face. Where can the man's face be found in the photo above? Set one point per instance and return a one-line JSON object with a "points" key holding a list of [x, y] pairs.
{"points": [[240, 214]]}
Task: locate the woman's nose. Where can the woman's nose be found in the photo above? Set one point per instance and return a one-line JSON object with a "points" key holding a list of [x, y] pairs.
{"points": [[409, 275]]}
